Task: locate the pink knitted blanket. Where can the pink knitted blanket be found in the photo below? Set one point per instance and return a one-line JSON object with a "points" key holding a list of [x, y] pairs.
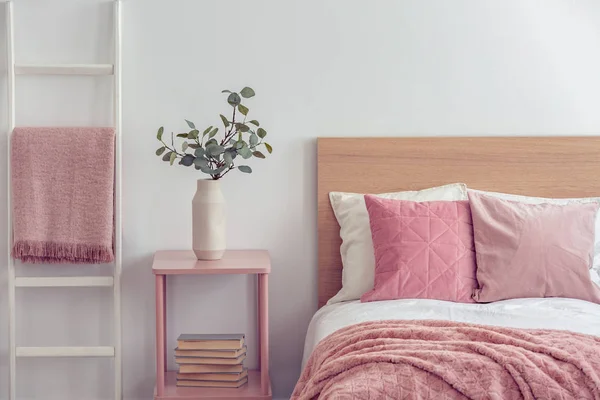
{"points": [[450, 360], [62, 202]]}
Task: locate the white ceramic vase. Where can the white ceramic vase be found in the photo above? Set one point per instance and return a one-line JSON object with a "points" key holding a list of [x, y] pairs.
{"points": [[208, 219]]}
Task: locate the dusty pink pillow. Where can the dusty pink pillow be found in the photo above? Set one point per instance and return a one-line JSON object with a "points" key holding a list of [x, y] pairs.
{"points": [[533, 250], [423, 250]]}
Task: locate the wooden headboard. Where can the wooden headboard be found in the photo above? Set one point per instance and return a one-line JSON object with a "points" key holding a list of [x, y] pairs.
{"points": [[537, 166]]}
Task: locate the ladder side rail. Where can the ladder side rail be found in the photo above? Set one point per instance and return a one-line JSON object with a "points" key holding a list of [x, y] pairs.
{"points": [[12, 363], [118, 122]]}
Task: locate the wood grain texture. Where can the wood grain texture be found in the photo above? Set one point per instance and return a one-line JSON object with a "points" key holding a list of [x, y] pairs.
{"points": [[536, 166]]}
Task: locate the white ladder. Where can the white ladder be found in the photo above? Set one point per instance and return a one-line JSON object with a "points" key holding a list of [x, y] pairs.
{"points": [[76, 281]]}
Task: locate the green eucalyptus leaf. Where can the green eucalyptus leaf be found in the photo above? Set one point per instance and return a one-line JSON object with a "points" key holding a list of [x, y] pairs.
{"points": [[245, 152], [225, 122], [269, 148], [190, 124], [214, 150], [172, 158], [206, 170], [239, 147], [160, 133], [258, 154], [211, 141], [244, 168], [218, 170], [213, 133], [247, 92], [210, 171], [193, 134], [167, 156], [225, 91], [261, 133], [242, 127], [228, 158], [184, 146], [234, 99], [199, 152], [160, 150], [187, 160], [200, 161], [254, 122], [194, 146], [253, 140], [243, 109], [206, 131], [182, 135]]}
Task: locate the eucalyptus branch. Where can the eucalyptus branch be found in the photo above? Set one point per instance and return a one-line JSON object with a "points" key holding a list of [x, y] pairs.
{"points": [[255, 146], [225, 173], [172, 149], [228, 135], [216, 158], [232, 120]]}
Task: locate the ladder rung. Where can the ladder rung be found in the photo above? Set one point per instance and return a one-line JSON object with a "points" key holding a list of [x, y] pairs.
{"points": [[91, 351], [66, 281], [64, 69]]}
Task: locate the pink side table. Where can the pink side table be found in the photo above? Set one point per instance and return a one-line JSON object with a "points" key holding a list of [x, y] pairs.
{"points": [[244, 262]]}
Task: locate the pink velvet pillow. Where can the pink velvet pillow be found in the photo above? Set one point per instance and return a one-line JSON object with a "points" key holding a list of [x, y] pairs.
{"points": [[423, 250], [533, 250]]}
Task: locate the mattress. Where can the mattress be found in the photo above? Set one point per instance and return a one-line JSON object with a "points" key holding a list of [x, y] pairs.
{"points": [[549, 313]]}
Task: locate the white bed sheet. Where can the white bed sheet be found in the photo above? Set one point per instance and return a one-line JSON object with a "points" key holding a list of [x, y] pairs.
{"points": [[550, 313]]}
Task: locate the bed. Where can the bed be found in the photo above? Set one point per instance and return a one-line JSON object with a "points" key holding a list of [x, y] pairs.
{"points": [[557, 167]]}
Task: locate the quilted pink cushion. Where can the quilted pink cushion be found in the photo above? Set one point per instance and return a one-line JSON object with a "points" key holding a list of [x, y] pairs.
{"points": [[533, 250], [423, 250]]}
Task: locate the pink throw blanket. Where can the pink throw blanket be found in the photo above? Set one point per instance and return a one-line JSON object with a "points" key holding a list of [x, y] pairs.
{"points": [[63, 195], [450, 360]]}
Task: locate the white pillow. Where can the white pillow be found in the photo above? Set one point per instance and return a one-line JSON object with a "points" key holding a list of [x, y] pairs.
{"points": [[538, 200], [357, 252]]}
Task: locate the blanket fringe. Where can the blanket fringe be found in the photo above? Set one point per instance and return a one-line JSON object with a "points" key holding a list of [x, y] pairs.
{"points": [[61, 253]]}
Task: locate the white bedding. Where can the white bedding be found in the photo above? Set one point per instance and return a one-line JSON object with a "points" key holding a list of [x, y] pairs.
{"points": [[550, 313]]}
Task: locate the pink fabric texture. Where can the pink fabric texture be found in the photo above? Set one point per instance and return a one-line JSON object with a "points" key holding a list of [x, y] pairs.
{"points": [[444, 360], [533, 250], [63, 194], [423, 250]]}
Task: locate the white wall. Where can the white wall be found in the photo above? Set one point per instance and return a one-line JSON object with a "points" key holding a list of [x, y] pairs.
{"points": [[320, 68]]}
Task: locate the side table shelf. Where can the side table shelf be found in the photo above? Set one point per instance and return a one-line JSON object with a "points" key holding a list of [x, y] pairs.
{"points": [[256, 262], [251, 390]]}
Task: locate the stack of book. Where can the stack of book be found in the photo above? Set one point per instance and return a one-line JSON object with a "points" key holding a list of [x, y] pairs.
{"points": [[211, 360]]}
